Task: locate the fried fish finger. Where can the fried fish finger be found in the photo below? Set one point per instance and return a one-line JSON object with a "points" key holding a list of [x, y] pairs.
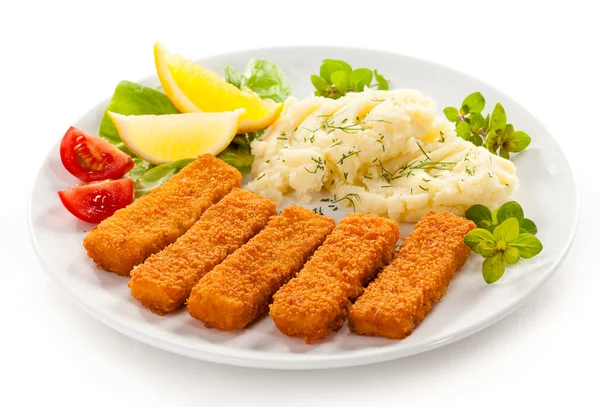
{"points": [[241, 287], [164, 281], [404, 292], [317, 299], [156, 220]]}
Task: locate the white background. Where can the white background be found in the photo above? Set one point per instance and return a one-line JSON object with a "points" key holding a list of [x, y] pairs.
{"points": [[59, 59]]}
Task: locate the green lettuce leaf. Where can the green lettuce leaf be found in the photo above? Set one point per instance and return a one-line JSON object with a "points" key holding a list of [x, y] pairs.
{"points": [[158, 175], [263, 77]]}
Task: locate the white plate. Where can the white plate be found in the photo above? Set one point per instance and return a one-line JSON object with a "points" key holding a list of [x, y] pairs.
{"points": [[547, 193]]}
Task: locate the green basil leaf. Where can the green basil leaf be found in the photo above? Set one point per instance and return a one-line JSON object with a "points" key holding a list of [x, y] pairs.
{"points": [[498, 118], [476, 236], [520, 141], [329, 66], [511, 255], [463, 130], [382, 83], [267, 80], [528, 226], [474, 103], [233, 76], [451, 113], [510, 209], [528, 245], [487, 249], [340, 80], [318, 82], [477, 140], [158, 175], [493, 268], [359, 78], [479, 214], [507, 231], [492, 141], [477, 121]]}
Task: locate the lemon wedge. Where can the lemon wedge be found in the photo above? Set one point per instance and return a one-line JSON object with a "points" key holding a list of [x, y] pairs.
{"points": [[193, 88], [170, 137]]}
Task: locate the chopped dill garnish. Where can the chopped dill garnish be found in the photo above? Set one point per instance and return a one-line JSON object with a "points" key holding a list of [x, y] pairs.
{"points": [[374, 99], [346, 176], [380, 121], [386, 186], [348, 197], [325, 200], [424, 189], [426, 180], [442, 138], [318, 211], [260, 177], [489, 175], [344, 156], [423, 151], [367, 177], [337, 143], [381, 142], [320, 165]]}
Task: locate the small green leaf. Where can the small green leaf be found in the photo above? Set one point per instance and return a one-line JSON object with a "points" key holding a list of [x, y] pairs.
{"points": [[511, 255], [492, 141], [520, 141], [486, 249], [504, 154], [477, 140], [451, 113], [476, 236], [359, 78], [318, 82], [510, 209], [498, 118], [474, 103], [463, 130], [477, 121], [340, 80], [493, 268], [528, 245], [479, 214], [507, 231], [233, 76], [381, 81], [528, 226], [329, 66]]}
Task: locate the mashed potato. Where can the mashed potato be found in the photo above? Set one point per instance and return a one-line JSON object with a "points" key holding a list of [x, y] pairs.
{"points": [[384, 152]]}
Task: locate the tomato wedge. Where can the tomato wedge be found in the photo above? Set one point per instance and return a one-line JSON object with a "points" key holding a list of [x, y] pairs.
{"points": [[97, 201], [91, 158]]}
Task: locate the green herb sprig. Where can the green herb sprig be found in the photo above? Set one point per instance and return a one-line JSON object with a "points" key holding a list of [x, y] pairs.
{"points": [[336, 78], [502, 237], [492, 130]]}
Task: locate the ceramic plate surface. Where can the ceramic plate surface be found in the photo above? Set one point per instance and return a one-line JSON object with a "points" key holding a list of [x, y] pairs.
{"points": [[547, 193]]}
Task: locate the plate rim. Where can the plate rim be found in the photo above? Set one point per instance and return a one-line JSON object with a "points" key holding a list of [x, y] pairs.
{"points": [[304, 362]]}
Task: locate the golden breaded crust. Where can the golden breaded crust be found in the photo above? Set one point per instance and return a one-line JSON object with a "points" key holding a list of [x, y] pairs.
{"points": [[404, 292], [317, 300], [240, 289], [156, 220], [164, 281]]}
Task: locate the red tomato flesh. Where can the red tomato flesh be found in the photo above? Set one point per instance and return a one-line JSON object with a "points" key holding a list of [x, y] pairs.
{"points": [[91, 158], [97, 201]]}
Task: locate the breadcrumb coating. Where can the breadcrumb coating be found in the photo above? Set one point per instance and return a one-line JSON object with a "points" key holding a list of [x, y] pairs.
{"points": [[317, 300], [164, 281], [404, 292], [156, 220], [241, 287]]}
